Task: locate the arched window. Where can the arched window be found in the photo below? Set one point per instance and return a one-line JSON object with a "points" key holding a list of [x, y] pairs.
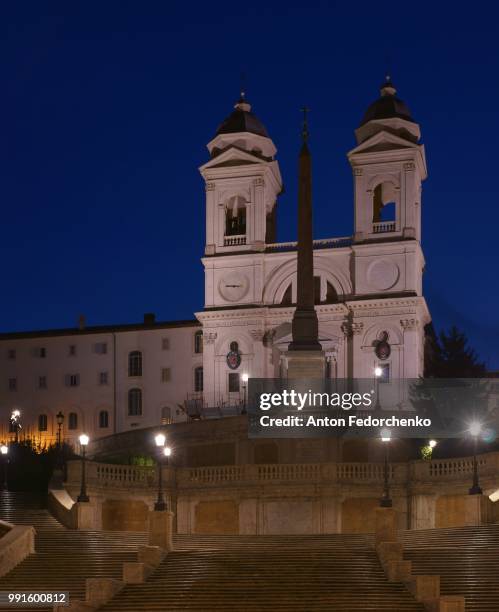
{"points": [[72, 420], [198, 342], [103, 419], [42, 422], [134, 402], [198, 379], [135, 363], [166, 415], [235, 217], [384, 208]]}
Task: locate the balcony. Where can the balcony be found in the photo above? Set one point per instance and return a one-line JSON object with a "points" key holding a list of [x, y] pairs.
{"points": [[383, 227], [235, 240]]}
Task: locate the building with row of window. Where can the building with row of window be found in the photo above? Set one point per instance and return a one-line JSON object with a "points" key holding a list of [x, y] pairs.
{"points": [[368, 295]]}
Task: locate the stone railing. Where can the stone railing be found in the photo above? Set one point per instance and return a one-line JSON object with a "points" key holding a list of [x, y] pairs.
{"points": [[235, 240], [437, 471], [324, 243], [381, 227]]}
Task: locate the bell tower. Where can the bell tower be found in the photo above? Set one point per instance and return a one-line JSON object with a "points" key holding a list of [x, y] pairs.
{"points": [[242, 181], [388, 167]]}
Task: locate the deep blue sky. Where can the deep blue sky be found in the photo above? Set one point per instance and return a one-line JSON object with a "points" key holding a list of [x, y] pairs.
{"points": [[107, 107]]}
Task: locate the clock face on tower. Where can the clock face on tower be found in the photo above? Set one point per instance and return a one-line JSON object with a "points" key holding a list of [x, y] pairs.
{"points": [[233, 286]]}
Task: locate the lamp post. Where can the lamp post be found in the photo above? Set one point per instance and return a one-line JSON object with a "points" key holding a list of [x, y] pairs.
{"points": [[386, 500], [15, 419], [378, 373], [83, 497], [475, 429], [60, 420], [160, 440], [245, 378], [4, 450], [167, 451]]}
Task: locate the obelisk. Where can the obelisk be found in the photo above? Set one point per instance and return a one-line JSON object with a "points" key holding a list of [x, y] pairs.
{"points": [[305, 357]]}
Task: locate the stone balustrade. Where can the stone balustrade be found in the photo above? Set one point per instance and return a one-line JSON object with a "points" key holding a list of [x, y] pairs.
{"points": [[436, 471]]}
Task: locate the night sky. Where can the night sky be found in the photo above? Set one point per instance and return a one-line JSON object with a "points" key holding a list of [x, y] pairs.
{"points": [[107, 108]]}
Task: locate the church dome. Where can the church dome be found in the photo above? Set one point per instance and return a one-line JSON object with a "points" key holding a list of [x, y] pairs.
{"points": [[242, 120], [387, 106]]}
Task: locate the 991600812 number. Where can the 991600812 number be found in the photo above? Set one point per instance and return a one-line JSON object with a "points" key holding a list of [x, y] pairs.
{"points": [[20, 599]]}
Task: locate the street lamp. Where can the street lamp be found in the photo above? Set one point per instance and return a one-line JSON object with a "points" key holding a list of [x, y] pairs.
{"points": [[245, 379], [4, 449], [160, 440], [60, 420], [432, 443], [475, 429], [386, 501], [378, 373], [15, 419], [83, 497]]}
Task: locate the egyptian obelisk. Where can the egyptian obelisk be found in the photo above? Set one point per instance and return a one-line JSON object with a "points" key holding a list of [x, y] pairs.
{"points": [[305, 357]]}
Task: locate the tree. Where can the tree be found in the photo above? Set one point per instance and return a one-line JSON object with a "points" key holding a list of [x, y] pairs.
{"points": [[450, 356]]}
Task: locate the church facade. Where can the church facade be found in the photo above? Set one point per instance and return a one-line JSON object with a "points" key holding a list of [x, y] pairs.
{"points": [[368, 296]]}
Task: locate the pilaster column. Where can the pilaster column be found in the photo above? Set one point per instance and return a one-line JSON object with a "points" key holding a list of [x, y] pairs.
{"points": [[410, 330], [209, 367]]}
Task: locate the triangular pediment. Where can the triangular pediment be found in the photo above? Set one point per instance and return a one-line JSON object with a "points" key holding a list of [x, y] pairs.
{"points": [[383, 141], [233, 156]]}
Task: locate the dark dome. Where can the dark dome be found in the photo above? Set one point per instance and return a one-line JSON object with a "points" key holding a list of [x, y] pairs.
{"points": [[387, 106], [242, 120]]}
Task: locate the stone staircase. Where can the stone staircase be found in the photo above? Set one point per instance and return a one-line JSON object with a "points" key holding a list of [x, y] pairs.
{"points": [[250, 573], [64, 558], [466, 558]]}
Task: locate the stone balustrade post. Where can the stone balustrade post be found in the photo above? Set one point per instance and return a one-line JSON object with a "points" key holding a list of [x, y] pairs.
{"points": [[161, 529]]}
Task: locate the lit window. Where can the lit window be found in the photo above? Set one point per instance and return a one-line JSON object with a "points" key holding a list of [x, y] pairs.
{"points": [[198, 379], [103, 419], [42, 422], [12, 384], [166, 415], [165, 374], [134, 402], [103, 378], [198, 342], [72, 420], [135, 363], [384, 377]]}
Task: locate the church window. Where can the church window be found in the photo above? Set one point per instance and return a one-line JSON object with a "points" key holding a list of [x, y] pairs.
{"points": [[72, 420], [198, 379], [135, 363], [198, 342], [42, 422], [134, 402], [103, 419], [235, 217]]}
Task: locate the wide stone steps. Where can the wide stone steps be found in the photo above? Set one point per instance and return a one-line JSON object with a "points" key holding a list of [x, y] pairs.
{"points": [[250, 573], [64, 558], [466, 558]]}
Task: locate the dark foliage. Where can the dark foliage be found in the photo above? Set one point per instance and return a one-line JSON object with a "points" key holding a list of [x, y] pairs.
{"points": [[449, 355]]}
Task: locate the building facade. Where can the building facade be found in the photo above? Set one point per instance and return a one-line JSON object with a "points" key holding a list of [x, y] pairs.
{"points": [[368, 295]]}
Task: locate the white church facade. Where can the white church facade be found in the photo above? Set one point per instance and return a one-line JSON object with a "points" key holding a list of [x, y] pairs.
{"points": [[368, 295]]}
